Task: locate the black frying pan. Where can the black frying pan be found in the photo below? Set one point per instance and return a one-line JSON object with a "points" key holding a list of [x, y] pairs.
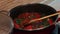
{"points": [[40, 8]]}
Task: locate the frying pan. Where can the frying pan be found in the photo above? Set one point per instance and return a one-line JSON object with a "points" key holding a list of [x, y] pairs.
{"points": [[35, 7]]}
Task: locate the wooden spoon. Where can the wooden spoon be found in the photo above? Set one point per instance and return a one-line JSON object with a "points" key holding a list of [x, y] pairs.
{"points": [[45, 17]]}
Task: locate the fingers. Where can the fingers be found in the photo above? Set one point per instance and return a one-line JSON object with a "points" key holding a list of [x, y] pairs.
{"points": [[58, 11]]}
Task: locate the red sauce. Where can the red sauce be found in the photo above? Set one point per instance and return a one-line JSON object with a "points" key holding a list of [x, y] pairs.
{"points": [[24, 19]]}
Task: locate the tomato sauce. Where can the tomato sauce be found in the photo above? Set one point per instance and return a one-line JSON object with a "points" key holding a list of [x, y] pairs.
{"points": [[24, 18]]}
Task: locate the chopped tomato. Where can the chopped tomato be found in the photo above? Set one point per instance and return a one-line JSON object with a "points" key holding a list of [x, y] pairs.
{"points": [[28, 27], [41, 26], [37, 15], [50, 21], [16, 25]]}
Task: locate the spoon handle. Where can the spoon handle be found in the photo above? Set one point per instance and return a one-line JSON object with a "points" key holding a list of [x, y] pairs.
{"points": [[45, 17]]}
